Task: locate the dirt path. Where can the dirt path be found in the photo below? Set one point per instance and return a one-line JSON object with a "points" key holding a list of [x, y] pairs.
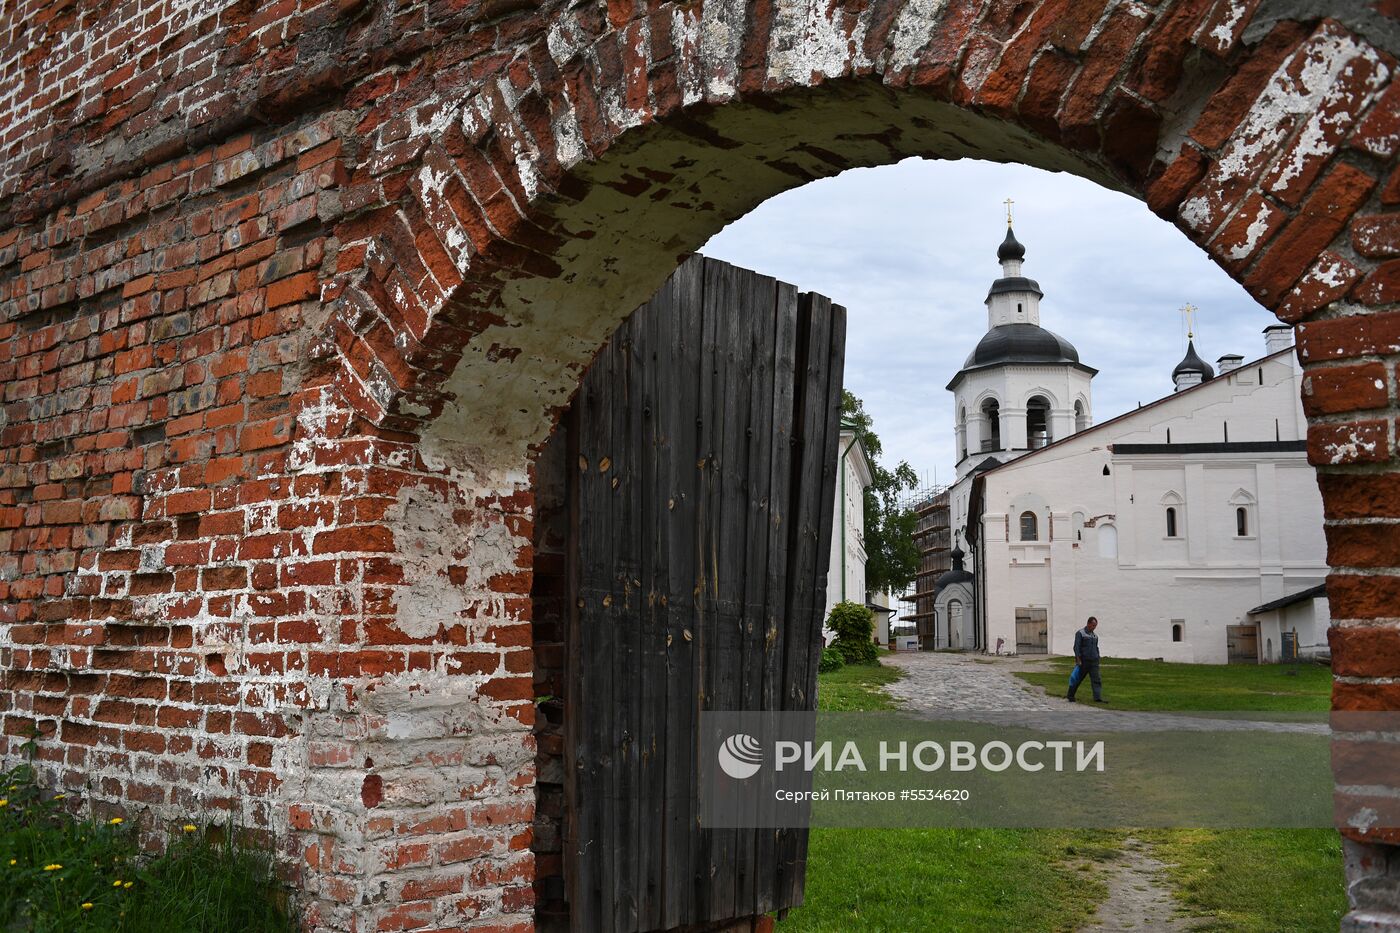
{"points": [[1139, 895]]}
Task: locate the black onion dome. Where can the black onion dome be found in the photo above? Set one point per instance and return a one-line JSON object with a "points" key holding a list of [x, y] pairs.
{"points": [[1010, 247], [1020, 343], [1192, 363], [956, 575]]}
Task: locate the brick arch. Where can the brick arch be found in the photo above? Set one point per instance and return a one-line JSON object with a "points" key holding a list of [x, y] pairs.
{"points": [[296, 288], [560, 199]]}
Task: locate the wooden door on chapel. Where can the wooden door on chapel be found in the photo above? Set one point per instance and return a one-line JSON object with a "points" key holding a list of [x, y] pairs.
{"points": [[702, 451]]}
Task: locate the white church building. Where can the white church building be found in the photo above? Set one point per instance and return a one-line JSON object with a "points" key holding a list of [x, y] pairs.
{"points": [[1191, 527]]}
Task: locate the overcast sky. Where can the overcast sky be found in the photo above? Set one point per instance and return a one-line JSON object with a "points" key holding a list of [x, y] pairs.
{"points": [[910, 250]]}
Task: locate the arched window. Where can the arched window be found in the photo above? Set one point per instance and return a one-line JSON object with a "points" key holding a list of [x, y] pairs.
{"points": [[1172, 504], [1030, 530], [1081, 417], [1037, 422], [1078, 519], [1177, 628], [991, 414], [962, 432], [1243, 503]]}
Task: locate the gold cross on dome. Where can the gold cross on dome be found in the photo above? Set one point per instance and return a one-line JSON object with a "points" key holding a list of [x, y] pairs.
{"points": [[1188, 314], [1008, 202]]}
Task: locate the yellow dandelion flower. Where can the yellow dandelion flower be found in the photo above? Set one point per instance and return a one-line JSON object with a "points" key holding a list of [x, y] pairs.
{"points": [[59, 796], [117, 883], [4, 801], [54, 867], [127, 884], [14, 861], [188, 827], [115, 821], [87, 905]]}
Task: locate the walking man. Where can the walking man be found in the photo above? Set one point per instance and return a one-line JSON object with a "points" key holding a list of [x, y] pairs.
{"points": [[1086, 655]]}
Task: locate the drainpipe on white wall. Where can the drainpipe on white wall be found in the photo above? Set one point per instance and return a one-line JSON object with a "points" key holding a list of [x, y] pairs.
{"points": [[841, 464]]}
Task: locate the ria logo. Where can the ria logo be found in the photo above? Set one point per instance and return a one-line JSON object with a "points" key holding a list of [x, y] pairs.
{"points": [[740, 756]]}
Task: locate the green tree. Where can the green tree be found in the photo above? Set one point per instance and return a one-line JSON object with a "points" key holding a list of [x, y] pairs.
{"points": [[892, 557]]}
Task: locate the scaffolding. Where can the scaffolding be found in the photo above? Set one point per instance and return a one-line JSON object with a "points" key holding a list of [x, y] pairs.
{"points": [[934, 539]]}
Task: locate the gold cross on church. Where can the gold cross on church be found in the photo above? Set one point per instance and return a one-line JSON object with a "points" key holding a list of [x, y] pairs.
{"points": [[1008, 202], [1188, 314]]}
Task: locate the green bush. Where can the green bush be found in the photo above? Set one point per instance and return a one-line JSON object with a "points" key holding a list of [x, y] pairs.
{"points": [[854, 627], [858, 652], [832, 660], [88, 875]]}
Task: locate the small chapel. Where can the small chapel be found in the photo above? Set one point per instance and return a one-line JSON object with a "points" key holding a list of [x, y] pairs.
{"points": [[1191, 526]]}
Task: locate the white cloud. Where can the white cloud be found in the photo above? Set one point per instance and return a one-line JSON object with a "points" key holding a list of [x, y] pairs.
{"points": [[910, 250]]}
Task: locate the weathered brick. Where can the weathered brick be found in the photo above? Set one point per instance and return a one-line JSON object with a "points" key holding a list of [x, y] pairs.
{"points": [[1318, 222], [1336, 389]]}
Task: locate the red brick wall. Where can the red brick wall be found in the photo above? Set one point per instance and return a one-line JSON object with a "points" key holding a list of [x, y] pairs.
{"points": [[291, 292]]}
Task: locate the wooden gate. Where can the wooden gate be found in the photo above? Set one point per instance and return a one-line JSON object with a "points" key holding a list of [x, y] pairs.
{"points": [[704, 445], [1242, 644], [1032, 635]]}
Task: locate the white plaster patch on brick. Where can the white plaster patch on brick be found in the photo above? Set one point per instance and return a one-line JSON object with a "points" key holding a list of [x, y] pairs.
{"points": [[808, 40], [432, 180], [912, 30], [721, 30], [1349, 450], [1256, 229], [978, 64], [313, 425], [438, 705], [1363, 819], [1331, 273], [1322, 132], [476, 116], [152, 558], [525, 155], [1275, 114], [525, 168], [563, 39], [441, 114], [427, 539], [685, 40], [1224, 31], [261, 518], [568, 141]]}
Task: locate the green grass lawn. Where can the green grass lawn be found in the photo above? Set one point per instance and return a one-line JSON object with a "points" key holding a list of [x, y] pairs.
{"points": [[949, 880], [1241, 881], [1256, 880], [1158, 685], [856, 687]]}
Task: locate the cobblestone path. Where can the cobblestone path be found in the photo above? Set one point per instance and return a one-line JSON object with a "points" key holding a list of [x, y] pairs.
{"points": [[947, 685]]}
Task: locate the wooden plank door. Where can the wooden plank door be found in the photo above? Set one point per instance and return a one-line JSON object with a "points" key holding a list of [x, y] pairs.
{"points": [[1242, 644], [1032, 631], [703, 451]]}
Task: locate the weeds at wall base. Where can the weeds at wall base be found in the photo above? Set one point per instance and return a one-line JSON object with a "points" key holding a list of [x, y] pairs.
{"points": [[62, 874]]}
